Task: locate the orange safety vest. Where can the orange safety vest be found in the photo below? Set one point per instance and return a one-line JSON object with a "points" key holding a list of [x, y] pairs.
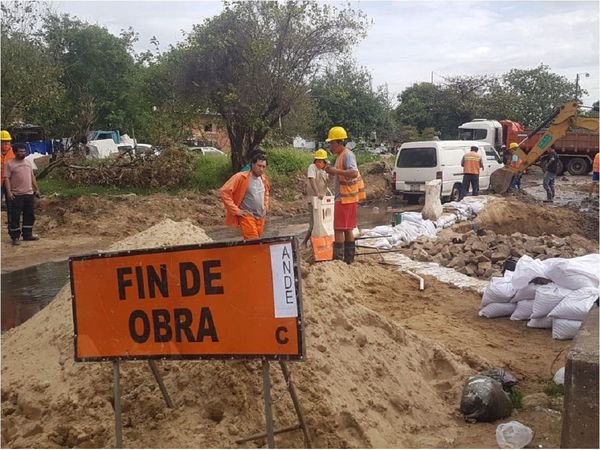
{"points": [[596, 165], [6, 158], [471, 165], [352, 190]]}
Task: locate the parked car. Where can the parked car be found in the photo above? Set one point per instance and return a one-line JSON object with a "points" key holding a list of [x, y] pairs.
{"points": [[207, 151], [422, 161]]}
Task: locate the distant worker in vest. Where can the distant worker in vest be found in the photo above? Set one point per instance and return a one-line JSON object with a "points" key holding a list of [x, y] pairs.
{"points": [[316, 186], [246, 198], [349, 191], [21, 187], [595, 175], [515, 161], [551, 160], [472, 165], [7, 155]]}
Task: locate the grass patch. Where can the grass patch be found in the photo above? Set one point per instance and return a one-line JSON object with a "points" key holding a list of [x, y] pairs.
{"points": [[552, 389], [516, 397], [209, 172], [63, 188]]}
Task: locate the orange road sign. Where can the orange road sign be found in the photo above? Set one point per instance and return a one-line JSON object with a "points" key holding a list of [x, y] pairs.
{"points": [[217, 300]]}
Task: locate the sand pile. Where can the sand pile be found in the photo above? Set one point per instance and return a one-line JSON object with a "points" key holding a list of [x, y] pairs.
{"points": [[482, 256], [367, 382]]}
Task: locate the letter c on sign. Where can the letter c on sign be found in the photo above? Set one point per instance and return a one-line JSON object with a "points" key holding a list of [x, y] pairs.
{"points": [[280, 335]]}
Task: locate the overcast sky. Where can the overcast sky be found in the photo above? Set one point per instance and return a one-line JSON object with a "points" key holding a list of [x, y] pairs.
{"points": [[409, 40]]}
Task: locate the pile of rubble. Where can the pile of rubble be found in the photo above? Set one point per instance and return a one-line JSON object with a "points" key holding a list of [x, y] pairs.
{"points": [[482, 254]]}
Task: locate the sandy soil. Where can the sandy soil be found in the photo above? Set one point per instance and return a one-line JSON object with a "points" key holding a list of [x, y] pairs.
{"points": [[385, 368]]}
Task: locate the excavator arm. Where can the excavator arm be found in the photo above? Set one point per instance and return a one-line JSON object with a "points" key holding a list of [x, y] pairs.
{"points": [[562, 119]]}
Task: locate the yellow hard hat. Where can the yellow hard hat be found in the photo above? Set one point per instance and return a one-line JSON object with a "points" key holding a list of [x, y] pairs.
{"points": [[336, 134], [320, 154], [5, 136], [513, 145]]}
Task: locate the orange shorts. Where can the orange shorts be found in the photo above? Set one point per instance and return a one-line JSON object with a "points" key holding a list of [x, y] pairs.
{"points": [[251, 227]]}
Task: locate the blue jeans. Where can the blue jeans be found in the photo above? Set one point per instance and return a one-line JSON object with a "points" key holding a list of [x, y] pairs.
{"points": [[549, 179], [470, 179]]}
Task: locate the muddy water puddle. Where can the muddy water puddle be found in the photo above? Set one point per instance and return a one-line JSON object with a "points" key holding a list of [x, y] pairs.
{"points": [[27, 291]]}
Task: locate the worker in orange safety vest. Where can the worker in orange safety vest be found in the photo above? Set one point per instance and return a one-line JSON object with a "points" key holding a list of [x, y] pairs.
{"points": [[472, 165]]}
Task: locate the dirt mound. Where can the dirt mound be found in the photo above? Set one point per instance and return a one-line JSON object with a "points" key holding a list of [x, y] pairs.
{"points": [[367, 382], [509, 215]]}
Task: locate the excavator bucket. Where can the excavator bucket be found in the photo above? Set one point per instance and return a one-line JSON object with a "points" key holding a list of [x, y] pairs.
{"points": [[501, 180]]}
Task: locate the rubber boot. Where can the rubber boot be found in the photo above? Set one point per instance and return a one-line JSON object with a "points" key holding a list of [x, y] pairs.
{"points": [[338, 251], [350, 252]]}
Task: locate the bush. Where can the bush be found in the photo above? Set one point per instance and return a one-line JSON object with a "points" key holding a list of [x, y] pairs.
{"points": [[209, 172], [286, 161]]}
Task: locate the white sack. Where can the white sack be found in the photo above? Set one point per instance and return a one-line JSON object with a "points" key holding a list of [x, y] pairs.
{"points": [[546, 299], [433, 203], [576, 305], [565, 329], [559, 376], [523, 310], [497, 310], [540, 323], [526, 293], [575, 273], [526, 270], [500, 290]]}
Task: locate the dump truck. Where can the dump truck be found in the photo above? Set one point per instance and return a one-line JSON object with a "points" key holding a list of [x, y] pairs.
{"points": [[576, 149]]}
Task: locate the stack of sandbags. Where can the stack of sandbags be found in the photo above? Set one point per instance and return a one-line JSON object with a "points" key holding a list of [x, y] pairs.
{"points": [[556, 293], [496, 301]]}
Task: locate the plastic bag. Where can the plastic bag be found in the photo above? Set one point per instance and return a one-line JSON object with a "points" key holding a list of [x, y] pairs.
{"points": [[433, 203], [547, 298], [563, 329], [559, 376], [500, 290], [503, 376], [575, 273], [527, 269], [576, 305], [497, 310], [513, 435], [484, 400], [523, 310]]}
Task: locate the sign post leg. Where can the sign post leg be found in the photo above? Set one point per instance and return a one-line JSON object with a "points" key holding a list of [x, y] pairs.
{"points": [[160, 382], [292, 389], [267, 398], [117, 400]]}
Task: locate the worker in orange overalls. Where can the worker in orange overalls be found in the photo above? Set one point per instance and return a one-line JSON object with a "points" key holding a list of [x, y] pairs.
{"points": [[7, 155], [472, 165], [246, 198], [349, 191]]}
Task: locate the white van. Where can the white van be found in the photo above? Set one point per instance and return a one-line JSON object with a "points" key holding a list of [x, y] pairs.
{"points": [[422, 161]]}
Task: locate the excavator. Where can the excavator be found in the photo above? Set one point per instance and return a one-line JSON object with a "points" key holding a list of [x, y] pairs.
{"points": [[559, 122]]}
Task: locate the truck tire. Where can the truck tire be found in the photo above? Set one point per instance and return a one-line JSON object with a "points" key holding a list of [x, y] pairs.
{"points": [[412, 199], [578, 166], [455, 193]]}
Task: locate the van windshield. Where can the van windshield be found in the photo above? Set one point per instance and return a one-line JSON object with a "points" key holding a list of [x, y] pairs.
{"points": [[417, 157], [470, 134]]}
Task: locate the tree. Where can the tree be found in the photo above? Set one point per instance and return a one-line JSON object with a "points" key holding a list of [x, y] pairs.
{"points": [[345, 96], [30, 77], [253, 62], [537, 92], [97, 75]]}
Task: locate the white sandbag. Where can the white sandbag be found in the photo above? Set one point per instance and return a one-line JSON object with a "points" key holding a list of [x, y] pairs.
{"points": [[547, 297], [575, 273], [500, 290], [576, 305], [433, 202], [559, 377], [526, 293], [497, 310], [540, 323], [523, 310], [526, 270], [565, 329]]}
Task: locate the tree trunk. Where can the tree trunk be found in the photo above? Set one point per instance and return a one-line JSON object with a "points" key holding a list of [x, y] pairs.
{"points": [[239, 138]]}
